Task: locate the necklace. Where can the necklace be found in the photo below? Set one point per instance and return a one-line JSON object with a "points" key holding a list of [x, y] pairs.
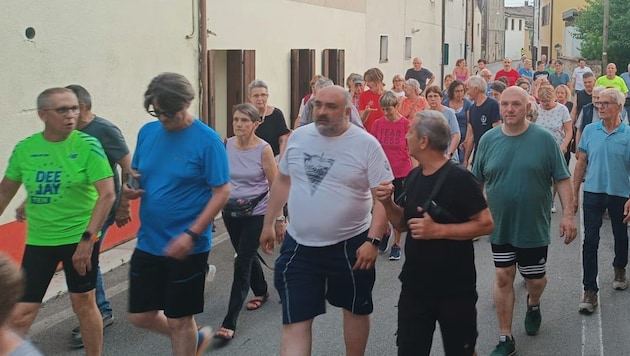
{"points": [[262, 119]]}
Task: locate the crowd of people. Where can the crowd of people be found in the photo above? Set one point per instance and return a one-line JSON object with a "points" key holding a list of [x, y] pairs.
{"points": [[445, 165]]}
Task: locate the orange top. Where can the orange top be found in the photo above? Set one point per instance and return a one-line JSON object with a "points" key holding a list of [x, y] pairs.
{"points": [[409, 107]]}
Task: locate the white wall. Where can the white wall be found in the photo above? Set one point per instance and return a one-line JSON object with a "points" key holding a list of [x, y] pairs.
{"points": [[571, 45], [113, 48], [514, 39]]}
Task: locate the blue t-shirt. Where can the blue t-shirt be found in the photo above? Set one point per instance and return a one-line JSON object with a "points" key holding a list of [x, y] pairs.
{"points": [[558, 79], [178, 171], [608, 169], [461, 116], [527, 73]]}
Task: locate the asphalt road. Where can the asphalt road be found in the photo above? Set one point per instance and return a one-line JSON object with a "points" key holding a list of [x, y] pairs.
{"points": [[564, 331]]}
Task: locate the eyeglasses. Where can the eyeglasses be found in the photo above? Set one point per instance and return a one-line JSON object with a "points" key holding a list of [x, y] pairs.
{"points": [[65, 109], [158, 113], [258, 96], [603, 104]]}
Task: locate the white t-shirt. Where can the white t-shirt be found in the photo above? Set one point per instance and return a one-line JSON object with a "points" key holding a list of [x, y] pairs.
{"points": [[553, 120], [330, 199], [577, 75]]}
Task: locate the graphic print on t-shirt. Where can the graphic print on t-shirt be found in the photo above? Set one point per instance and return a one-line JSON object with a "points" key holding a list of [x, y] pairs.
{"points": [[316, 167]]}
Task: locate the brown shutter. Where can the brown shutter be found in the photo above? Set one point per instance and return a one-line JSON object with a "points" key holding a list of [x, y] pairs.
{"points": [[302, 70], [333, 65], [241, 70]]}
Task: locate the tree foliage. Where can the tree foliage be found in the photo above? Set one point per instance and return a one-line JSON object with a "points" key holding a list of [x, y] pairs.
{"points": [[590, 26]]}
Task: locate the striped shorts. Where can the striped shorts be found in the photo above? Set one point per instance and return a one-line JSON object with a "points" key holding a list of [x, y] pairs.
{"points": [[531, 262]]}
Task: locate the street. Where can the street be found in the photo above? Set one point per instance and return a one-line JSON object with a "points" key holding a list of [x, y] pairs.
{"points": [[564, 331]]}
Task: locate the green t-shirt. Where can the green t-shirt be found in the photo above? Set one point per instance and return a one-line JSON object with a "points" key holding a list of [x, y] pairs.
{"points": [[616, 82], [518, 172], [58, 177]]}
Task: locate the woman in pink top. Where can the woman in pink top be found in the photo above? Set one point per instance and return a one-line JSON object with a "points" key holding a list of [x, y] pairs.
{"points": [[390, 130], [460, 72]]}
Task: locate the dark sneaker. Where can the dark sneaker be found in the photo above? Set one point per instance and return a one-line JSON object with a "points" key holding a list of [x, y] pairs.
{"points": [[394, 255], [589, 302], [204, 336], [382, 247], [532, 319], [620, 282], [77, 340], [505, 347]]}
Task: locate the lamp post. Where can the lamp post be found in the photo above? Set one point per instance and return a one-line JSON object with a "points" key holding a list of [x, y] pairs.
{"points": [[605, 36]]}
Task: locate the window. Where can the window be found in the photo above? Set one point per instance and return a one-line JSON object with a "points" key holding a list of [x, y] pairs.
{"points": [[545, 15], [512, 24], [408, 47], [520, 25], [506, 24], [384, 44]]}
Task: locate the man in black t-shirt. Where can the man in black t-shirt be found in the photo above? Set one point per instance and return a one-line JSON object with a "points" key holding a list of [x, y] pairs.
{"points": [[438, 276], [420, 74], [482, 116], [583, 97]]}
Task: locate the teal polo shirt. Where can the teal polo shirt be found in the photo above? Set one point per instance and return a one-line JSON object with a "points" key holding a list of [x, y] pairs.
{"points": [[608, 169]]}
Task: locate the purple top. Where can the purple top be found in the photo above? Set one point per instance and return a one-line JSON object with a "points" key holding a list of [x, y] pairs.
{"points": [[247, 177]]}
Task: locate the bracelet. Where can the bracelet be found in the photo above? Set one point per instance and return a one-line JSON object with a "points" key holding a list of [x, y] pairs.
{"points": [[87, 236], [281, 218], [195, 236]]}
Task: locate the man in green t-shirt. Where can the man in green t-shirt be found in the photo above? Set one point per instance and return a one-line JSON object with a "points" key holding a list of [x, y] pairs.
{"points": [[70, 191], [518, 183], [612, 80]]}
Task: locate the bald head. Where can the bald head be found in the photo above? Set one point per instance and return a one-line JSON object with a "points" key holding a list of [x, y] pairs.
{"points": [[332, 106], [515, 91]]}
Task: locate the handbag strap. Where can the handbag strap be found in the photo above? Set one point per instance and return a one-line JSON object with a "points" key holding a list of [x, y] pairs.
{"points": [[439, 183], [259, 198]]}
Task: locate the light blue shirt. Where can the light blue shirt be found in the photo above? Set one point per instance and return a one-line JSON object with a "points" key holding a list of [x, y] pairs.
{"points": [[626, 78], [608, 154]]}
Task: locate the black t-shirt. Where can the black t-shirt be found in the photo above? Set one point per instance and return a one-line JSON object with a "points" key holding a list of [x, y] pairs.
{"points": [[421, 76], [583, 98], [482, 117], [272, 128], [541, 75], [441, 267]]}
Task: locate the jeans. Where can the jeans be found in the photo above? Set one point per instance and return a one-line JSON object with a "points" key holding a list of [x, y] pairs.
{"points": [[594, 206], [244, 235], [101, 299]]}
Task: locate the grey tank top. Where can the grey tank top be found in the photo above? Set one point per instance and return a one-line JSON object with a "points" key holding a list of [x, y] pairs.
{"points": [[247, 177]]}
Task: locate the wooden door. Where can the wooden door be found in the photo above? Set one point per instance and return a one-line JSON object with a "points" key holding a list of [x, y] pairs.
{"points": [[241, 70]]}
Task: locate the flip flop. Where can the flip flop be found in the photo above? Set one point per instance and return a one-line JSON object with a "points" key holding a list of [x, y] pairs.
{"points": [[257, 302], [225, 334]]}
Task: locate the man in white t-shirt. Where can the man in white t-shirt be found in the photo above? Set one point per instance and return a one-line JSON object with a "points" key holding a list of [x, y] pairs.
{"points": [[578, 72], [329, 174]]}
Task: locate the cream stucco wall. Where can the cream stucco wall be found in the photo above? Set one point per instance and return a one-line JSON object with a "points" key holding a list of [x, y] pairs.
{"points": [[113, 48], [515, 39]]}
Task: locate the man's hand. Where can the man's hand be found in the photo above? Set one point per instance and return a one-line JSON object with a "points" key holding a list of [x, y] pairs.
{"points": [[128, 192], [366, 255], [20, 213], [82, 257], [383, 192], [424, 228], [281, 230], [576, 202], [267, 239], [626, 211], [568, 228], [180, 246], [123, 214]]}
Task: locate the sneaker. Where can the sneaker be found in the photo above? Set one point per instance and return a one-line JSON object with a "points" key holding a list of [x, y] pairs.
{"points": [[204, 336], [505, 347], [589, 302], [77, 339], [382, 247], [394, 255], [620, 282], [553, 208], [532, 319]]}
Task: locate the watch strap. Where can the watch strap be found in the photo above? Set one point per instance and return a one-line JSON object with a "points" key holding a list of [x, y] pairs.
{"points": [[374, 241]]}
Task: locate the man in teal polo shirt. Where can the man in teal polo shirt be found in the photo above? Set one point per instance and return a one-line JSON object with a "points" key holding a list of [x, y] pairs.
{"points": [[604, 163]]}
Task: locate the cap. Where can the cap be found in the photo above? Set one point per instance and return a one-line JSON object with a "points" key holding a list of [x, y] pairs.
{"points": [[358, 79]]}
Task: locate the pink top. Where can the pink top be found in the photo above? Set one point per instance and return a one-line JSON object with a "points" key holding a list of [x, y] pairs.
{"points": [[461, 77], [391, 136]]}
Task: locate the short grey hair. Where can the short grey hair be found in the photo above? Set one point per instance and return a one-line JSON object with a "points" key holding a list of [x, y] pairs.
{"points": [[256, 84], [323, 82], [171, 91], [615, 94], [248, 109], [433, 125], [82, 94], [414, 84], [599, 89], [388, 98], [478, 82], [43, 99]]}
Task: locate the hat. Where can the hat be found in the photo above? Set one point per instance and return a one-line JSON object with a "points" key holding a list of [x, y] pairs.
{"points": [[358, 79]]}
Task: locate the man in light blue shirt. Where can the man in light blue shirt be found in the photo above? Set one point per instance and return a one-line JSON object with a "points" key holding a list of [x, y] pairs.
{"points": [[603, 160], [626, 78]]}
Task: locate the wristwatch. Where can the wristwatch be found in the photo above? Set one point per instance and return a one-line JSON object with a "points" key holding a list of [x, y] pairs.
{"points": [[281, 218], [374, 241], [195, 236], [87, 236]]}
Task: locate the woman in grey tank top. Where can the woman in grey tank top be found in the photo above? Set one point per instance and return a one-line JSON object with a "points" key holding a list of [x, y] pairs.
{"points": [[252, 170]]}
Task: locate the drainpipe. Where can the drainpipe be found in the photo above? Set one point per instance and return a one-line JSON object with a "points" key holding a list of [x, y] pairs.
{"points": [[203, 63], [443, 41]]}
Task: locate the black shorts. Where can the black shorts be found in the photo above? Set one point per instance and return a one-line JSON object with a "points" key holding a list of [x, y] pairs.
{"points": [[40, 263], [306, 277], [164, 283], [531, 262]]}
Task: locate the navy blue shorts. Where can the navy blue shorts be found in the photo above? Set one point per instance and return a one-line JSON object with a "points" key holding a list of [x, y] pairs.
{"points": [[307, 277]]}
